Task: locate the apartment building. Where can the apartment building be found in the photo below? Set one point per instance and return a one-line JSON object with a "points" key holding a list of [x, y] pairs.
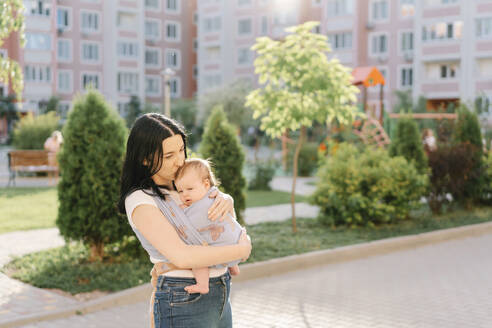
{"points": [[439, 49], [119, 47]]}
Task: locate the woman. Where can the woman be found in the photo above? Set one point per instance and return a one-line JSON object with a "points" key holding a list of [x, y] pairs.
{"points": [[156, 148]]}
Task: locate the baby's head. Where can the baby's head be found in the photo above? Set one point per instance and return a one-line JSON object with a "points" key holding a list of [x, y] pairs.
{"points": [[193, 180]]}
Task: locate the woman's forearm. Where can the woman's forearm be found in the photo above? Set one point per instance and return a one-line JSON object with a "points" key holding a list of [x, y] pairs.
{"points": [[192, 256]]}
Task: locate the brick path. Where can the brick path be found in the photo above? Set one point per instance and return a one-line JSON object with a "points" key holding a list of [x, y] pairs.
{"points": [[436, 286]]}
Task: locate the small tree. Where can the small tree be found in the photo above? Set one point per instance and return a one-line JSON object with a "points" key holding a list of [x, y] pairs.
{"points": [[221, 144], [11, 20], [407, 143], [185, 111], [8, 110], [300, 86], [134, 110], [90, 164]]}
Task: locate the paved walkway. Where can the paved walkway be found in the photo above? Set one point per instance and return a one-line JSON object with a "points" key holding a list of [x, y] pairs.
{"points": [[437, 286]]}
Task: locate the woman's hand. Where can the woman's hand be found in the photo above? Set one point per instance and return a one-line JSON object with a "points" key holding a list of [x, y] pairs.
{"points": [[244, 240], [222, 206]]}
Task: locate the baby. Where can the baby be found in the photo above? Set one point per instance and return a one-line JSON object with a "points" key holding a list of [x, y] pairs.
{"points": [[193, 182]]}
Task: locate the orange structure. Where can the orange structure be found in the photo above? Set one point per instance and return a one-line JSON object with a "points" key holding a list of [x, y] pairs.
{"points": [[369, 76]]}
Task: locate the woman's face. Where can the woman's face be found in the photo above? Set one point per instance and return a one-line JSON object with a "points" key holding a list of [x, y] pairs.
{"points": [[173, 158]]}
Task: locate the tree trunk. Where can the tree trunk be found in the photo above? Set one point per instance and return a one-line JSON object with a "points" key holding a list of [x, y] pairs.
{"points": [[294, 177], [96, 252], [284, 150]]}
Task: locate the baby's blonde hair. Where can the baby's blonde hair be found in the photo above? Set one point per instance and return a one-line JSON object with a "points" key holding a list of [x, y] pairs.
{"points": [[202, 166]]}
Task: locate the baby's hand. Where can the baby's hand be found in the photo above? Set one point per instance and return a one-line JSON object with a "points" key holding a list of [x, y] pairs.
{"points": [[234, 270]]}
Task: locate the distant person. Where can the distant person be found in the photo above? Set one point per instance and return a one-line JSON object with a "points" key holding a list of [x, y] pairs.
{"points": [[53, 143], [429, 141]]}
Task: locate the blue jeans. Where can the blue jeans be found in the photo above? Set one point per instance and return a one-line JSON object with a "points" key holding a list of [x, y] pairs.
{"points": [[174, 307]]}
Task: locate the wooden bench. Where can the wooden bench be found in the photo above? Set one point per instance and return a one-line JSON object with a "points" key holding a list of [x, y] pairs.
{"points": [[32, 161]]}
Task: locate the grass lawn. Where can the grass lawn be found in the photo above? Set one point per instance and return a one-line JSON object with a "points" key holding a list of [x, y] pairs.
{"points": [[27, 208], [35, 208], [66, 268]]}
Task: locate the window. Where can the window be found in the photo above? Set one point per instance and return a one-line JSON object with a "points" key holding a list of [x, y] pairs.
{"points": [[90, 22], [128, 82], [195, 71], [340, 7], [379, 44], [175, 87], [244, 56], [195, 18], [38, 41], [406, 41], [264, 25], [152, 56], [153, 85], [448, 71], [212, 53], [483, 28], [406, 77], [152, 4], [407, 8], [211, 24], [244, 26], [379, 10], [123, 108], [40, 74], [38, 7], [63, 108], [195, 44], [64, 50], [64, 84], [90, 52], [126, 20], [173, 32], [173, 58], [242, 3], [442, 31], [62, 18], [212, 81], [341, 41], [173, 6], [90, 80], [127, 49], [152, 30]]}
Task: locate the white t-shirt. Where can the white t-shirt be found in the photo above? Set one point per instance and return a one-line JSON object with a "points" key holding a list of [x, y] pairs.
{"points": [[139, 197]]}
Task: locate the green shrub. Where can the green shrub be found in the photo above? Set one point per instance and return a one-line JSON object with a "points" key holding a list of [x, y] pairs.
{"points": [[221, 144], [32, 131], [90, 163], [366, 188], [407, 143], [263, 173], [308, 159], [467, 131]]}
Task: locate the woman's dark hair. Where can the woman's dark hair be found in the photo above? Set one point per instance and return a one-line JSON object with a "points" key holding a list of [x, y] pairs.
{"points": [[144, 145]]}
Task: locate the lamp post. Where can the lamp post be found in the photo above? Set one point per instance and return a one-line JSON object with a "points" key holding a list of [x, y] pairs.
{"points": [[167, 74]]}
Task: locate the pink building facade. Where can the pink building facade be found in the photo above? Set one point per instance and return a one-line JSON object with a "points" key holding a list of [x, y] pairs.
{"points": [[119, 47]]}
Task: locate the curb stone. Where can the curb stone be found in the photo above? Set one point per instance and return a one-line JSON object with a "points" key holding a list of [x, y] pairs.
{"points": [[272, 267]]}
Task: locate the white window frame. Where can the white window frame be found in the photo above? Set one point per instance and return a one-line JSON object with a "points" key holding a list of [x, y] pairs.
{"points": [[127, 57], [159, 86], [400, 4], [402, 52], [262, 19], [195, 44], [94, 73], [377, 54], [36, 69], [371, 12], [127, 28], [126, 91], [456, 72], [70, 50], [238, 55], [159, 29], [195, 72], [50, 38], [482, 36], [99, 22], [178, 31], [196, 18], [400, 77], [176, 11], [153, 9], [245, 35], [70, 18], [178, 87], [99, 52], [249, 4], [28, 6], [70, 79], [167, 51], [332, 44], [212, 20], [386, 69], [159, 57], [329, 14]]}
